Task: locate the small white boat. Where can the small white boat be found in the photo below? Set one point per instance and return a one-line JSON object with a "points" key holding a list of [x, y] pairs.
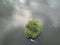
{"points": [[32, 40]]}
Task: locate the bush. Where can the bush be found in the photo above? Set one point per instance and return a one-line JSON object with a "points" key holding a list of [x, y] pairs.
{"points": [[32, 29]]}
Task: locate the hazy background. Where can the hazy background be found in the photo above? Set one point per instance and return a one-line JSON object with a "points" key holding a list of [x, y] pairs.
{"points": [[14, 14]]}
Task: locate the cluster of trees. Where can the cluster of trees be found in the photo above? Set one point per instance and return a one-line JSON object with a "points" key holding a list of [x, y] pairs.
{"points": [[32, 29]]}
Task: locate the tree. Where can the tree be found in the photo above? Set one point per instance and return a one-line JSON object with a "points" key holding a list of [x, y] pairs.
{"points": [[32, 29]]}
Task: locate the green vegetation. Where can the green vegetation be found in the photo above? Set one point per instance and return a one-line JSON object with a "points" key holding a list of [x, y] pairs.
{"points": [[32, 29]]}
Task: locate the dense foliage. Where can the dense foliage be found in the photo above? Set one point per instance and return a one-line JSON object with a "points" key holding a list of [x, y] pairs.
{"points": [[32, 29]]}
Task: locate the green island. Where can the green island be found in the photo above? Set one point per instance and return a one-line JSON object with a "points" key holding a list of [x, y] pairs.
{"points": [[32, 29]]}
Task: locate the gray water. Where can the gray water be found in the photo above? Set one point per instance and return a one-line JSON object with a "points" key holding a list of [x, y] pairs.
{"points": [[12, 22]]}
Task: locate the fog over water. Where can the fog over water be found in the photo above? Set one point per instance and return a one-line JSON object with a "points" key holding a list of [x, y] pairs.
{"points": [[14, 14]]}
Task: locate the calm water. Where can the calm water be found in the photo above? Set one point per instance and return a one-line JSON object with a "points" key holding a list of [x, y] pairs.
{"points": [[49, 36], [12, 31]]}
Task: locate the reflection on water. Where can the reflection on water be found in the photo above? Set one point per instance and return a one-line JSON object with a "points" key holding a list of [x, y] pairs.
{"points": [[14, 15]]}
